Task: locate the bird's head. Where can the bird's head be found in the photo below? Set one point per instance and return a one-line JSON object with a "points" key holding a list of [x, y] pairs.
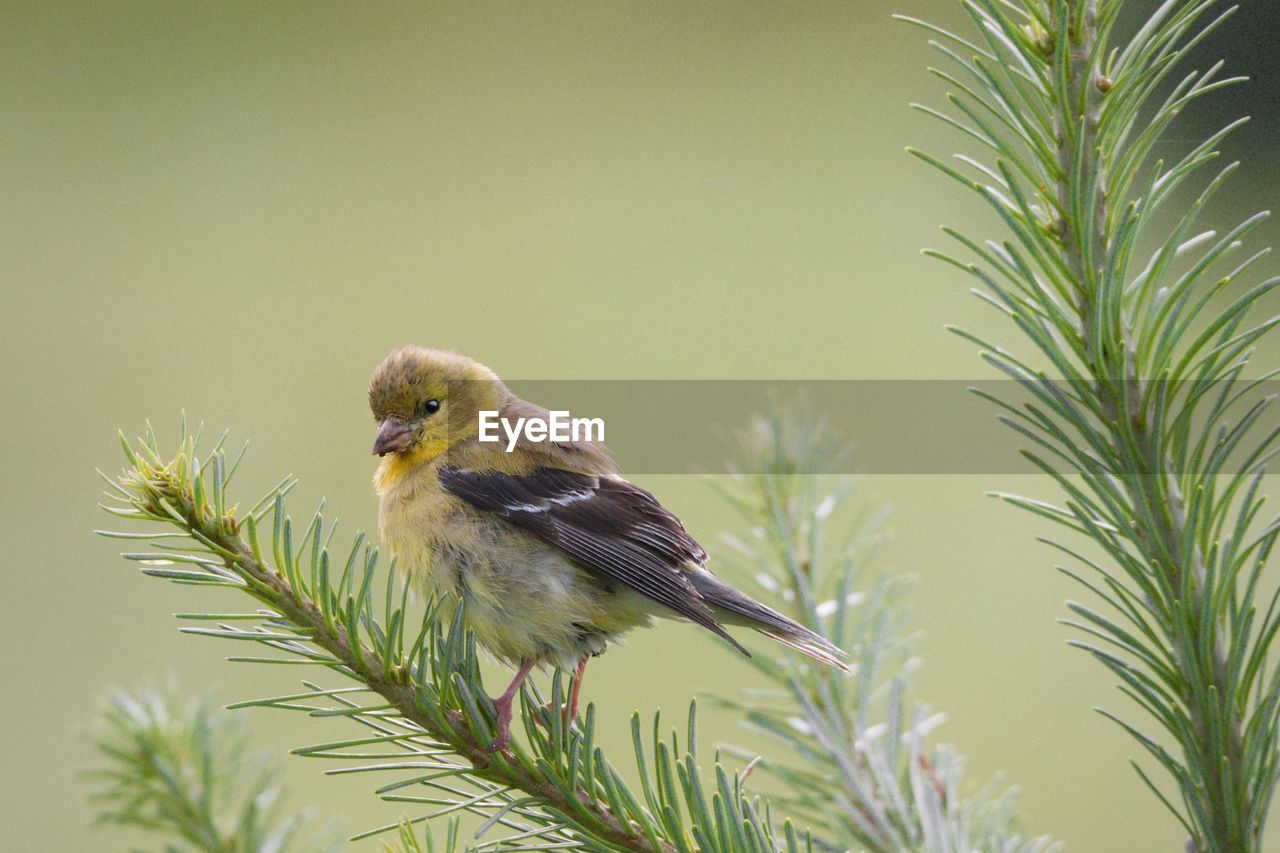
{"points": [[425, 401]]}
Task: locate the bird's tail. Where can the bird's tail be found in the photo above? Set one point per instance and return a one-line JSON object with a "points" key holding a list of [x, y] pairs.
{"points": [[736, 608]]}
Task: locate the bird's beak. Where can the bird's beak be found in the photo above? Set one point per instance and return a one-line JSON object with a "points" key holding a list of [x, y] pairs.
{"points": [[394, 435]]}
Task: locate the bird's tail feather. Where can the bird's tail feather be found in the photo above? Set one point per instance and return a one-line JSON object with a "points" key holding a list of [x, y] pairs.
{"points": [[736, 608]]}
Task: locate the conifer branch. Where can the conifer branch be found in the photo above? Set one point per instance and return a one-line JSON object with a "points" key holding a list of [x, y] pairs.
{"points": [[860, 738], [180, 768], [1142, 414]]}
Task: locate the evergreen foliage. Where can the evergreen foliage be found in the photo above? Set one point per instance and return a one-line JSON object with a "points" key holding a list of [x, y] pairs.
{"points": [[1136, 393]]}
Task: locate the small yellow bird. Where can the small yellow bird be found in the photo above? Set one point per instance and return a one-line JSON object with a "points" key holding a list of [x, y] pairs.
{"points": [[552, 552]]}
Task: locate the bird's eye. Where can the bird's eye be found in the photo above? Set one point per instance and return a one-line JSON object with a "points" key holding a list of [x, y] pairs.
{"points": [[431, 406]]}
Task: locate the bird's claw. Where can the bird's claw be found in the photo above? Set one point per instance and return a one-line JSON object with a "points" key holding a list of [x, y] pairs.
{"points": [[503, 737]]}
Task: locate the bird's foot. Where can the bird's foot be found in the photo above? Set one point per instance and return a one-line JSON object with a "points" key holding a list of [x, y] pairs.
{"points": [[570, 710], [503, 706], [503, 738], [564, 711]]}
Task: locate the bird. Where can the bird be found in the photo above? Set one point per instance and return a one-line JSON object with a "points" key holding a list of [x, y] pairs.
{"points": [[550, 552]]}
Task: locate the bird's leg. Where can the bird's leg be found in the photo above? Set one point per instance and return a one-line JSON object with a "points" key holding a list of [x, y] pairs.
{"points": [[503, 703], [571, 709], [577, 685]]}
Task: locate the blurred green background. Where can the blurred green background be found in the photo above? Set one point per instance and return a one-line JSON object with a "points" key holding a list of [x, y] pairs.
{"points": [[238, 209]]}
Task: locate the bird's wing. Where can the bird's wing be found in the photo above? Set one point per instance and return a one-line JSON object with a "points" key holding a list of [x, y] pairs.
{"points": [[602, 523]]}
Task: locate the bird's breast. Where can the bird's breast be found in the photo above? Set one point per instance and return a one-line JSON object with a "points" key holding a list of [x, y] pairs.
{"points": [[411, 523]]}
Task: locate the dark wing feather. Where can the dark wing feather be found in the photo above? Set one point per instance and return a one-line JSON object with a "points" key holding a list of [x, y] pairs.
{"points": [[603, 524]]}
